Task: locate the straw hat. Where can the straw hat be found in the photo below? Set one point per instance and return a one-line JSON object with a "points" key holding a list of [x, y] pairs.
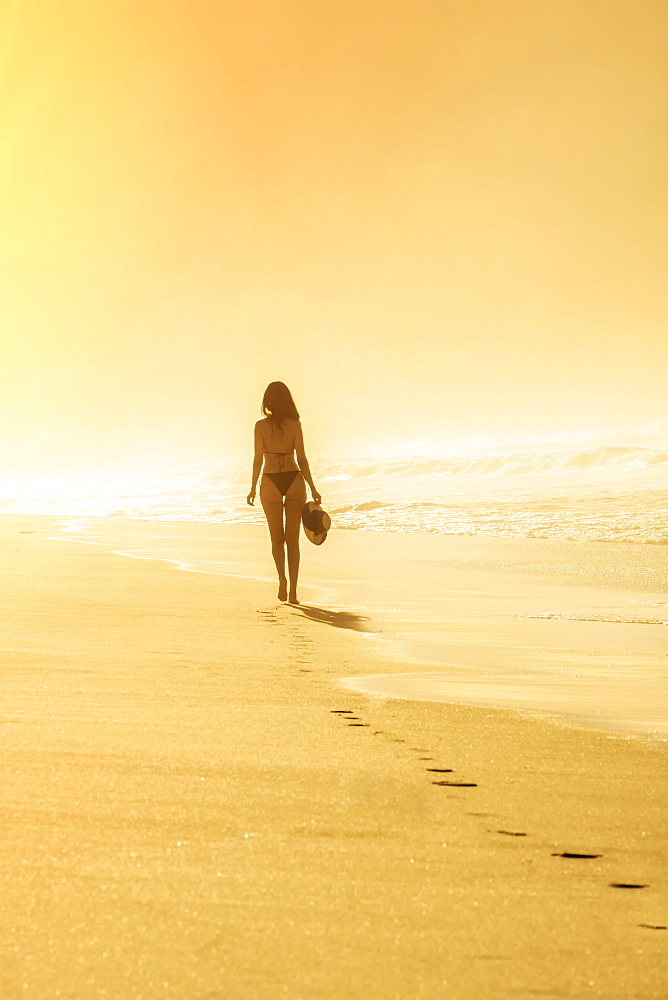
{"points": [[316, 522]]}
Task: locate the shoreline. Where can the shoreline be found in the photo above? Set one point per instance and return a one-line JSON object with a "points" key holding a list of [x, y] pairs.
{"points": [[470, 611], [195, 808]]}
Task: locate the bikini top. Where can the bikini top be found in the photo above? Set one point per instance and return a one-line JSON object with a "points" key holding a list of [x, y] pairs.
{"points": [[280, 454]]}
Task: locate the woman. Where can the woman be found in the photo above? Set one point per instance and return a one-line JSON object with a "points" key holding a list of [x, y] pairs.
{"points": [[282, 491]]}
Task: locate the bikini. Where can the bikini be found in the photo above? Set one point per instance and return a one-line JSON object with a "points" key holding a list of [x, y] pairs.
{"points": [[282, 480]]}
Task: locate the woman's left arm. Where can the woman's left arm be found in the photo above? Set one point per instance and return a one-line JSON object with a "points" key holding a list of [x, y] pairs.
{"points": [[302, 462], [257, 463]]}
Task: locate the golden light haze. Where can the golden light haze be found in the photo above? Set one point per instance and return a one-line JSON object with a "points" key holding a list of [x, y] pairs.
{"points": [[433, 219]]}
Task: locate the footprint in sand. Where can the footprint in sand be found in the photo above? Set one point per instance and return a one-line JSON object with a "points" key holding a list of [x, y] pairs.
{"points": [[456, 784], [570, 854]]}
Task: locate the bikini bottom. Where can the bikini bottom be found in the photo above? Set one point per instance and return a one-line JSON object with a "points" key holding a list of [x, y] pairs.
{"points": [[282, 480]]}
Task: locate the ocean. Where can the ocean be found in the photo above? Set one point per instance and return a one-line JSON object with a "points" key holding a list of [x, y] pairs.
{"points": [[610, 492]]}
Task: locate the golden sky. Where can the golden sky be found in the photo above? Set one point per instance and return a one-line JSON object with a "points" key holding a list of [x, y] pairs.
{"points": [[441, 220]]}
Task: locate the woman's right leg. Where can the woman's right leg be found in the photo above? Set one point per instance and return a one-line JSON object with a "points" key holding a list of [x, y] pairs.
{"points": [[272, 505], [294, 501]]}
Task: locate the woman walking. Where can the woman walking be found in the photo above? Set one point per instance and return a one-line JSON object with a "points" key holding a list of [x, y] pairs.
{"points": [[278, 438]]}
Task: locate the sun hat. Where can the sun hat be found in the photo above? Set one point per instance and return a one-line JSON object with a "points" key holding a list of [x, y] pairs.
{"points": [[316, 522]]}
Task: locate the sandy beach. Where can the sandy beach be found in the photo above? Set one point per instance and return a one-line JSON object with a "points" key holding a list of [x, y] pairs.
{"points": [[576, 630], [194, 807], [406, 260]]}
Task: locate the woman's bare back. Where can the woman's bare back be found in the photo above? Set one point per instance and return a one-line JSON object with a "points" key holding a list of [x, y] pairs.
{"points": [[279, 446]]}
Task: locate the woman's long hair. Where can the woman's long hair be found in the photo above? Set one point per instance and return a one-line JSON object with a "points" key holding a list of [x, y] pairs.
{"points": [[278, 404]]}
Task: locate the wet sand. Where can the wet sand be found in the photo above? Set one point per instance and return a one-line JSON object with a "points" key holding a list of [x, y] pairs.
{"points": [[194, 807], [572, 630]]}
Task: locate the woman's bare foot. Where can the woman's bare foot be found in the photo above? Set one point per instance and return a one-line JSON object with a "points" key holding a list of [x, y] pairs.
{"points": [[293, 599], [283, 590]]}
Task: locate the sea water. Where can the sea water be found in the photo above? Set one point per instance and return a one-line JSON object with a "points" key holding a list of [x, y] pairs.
{"points": [[605, 493]]}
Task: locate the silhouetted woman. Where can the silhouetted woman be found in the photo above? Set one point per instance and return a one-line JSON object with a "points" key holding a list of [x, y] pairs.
{"points": [[282, 491]]}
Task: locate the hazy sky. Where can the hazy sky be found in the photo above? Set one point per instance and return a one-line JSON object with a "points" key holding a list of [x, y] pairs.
{"points": [[438, 220]]}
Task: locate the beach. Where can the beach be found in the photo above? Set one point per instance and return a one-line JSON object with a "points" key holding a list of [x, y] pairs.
{"points": [[413, 254], [574, 629], [196, 806]]}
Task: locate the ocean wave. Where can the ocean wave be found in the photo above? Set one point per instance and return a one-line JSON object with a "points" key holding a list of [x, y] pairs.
{"points": [[629, 516], [608, 458], [569, 498]]}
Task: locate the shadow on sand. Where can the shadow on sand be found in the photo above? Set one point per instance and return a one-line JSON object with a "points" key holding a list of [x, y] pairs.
{"points": [[339, 619]]}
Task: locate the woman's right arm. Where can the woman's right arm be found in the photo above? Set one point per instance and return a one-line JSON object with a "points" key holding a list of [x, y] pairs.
{"points": [[302, 462], [257, 463]]}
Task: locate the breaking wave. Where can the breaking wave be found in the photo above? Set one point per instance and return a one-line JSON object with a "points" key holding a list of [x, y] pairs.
{"points": [[629, 516], [607, 458]]}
